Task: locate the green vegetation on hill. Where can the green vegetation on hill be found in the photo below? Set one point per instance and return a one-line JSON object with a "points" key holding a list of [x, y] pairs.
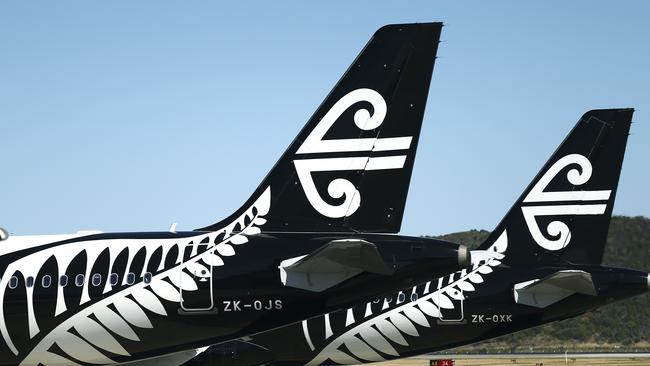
{"points": [[621, 326]]}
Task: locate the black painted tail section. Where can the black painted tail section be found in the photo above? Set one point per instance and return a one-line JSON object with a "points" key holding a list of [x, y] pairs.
{"points": [[564, 214], [349, 168]]}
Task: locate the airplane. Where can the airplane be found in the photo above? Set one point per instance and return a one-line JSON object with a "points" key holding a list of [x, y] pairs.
{"points": [[317, 235], [541, 264]]}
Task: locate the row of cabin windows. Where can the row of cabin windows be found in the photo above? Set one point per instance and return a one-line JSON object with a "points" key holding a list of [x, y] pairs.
{"points": [[80, 280], [400, 298]]}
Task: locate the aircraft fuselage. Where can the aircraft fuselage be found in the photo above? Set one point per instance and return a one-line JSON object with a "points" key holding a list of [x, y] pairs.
{"points": [[446, 312], [125, 293]]}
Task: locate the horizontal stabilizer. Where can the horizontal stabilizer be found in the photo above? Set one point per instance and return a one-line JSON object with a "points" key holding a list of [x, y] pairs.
{"points": [[332, 264], [556, 287]]}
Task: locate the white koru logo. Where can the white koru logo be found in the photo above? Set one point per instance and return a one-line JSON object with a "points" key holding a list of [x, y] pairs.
{"points": [[558, 229], [314, 143]]}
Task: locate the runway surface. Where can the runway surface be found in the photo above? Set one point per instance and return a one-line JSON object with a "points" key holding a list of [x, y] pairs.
{"points": [[582, 359]]}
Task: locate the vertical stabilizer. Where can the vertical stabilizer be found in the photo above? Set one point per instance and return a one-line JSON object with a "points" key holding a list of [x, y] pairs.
{"points": [[565, 212], [350, 167]]}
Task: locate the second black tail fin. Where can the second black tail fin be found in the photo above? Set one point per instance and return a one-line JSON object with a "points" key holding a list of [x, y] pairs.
{"points": [[565, 212], [349, 168]]}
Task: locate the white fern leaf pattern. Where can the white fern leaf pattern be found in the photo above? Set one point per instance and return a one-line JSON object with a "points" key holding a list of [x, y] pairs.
{"points": [[417, 316], [375, 340], [149, 301], [372, 340], [115, 323], [97, 335], [93, 332]]}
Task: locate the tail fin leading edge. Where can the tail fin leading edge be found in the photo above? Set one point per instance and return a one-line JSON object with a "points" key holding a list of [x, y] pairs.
{"points": [[565, 212], [350, 167]]}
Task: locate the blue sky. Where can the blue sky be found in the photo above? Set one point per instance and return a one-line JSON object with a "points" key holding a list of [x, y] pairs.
{"points": [[128, 116]]}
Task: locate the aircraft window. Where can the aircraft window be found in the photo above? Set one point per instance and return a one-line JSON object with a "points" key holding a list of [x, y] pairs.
{"points": [[63, 281], [401, 297], [130, 278], [79, 280], [30, 281], [97, 279], [115, 279], [13, 282], [46, 281], [414, 297], [147, 277]]}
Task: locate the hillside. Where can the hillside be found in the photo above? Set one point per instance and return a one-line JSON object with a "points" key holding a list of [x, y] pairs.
{"points": [[620, 326]]}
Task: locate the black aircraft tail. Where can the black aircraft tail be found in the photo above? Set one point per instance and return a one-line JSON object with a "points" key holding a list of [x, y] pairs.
{"points": [[564, 215], [349, 168]]}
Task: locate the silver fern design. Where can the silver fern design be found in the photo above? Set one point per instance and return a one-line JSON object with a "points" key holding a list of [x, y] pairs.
{"points": [[373, 339], [122, 310]]}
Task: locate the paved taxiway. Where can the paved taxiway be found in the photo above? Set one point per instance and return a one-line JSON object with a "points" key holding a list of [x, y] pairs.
{"points": [[582, 359]]}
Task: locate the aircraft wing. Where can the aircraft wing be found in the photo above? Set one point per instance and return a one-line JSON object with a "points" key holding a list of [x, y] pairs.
{"points": [[541, 293], [332, 264]]}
